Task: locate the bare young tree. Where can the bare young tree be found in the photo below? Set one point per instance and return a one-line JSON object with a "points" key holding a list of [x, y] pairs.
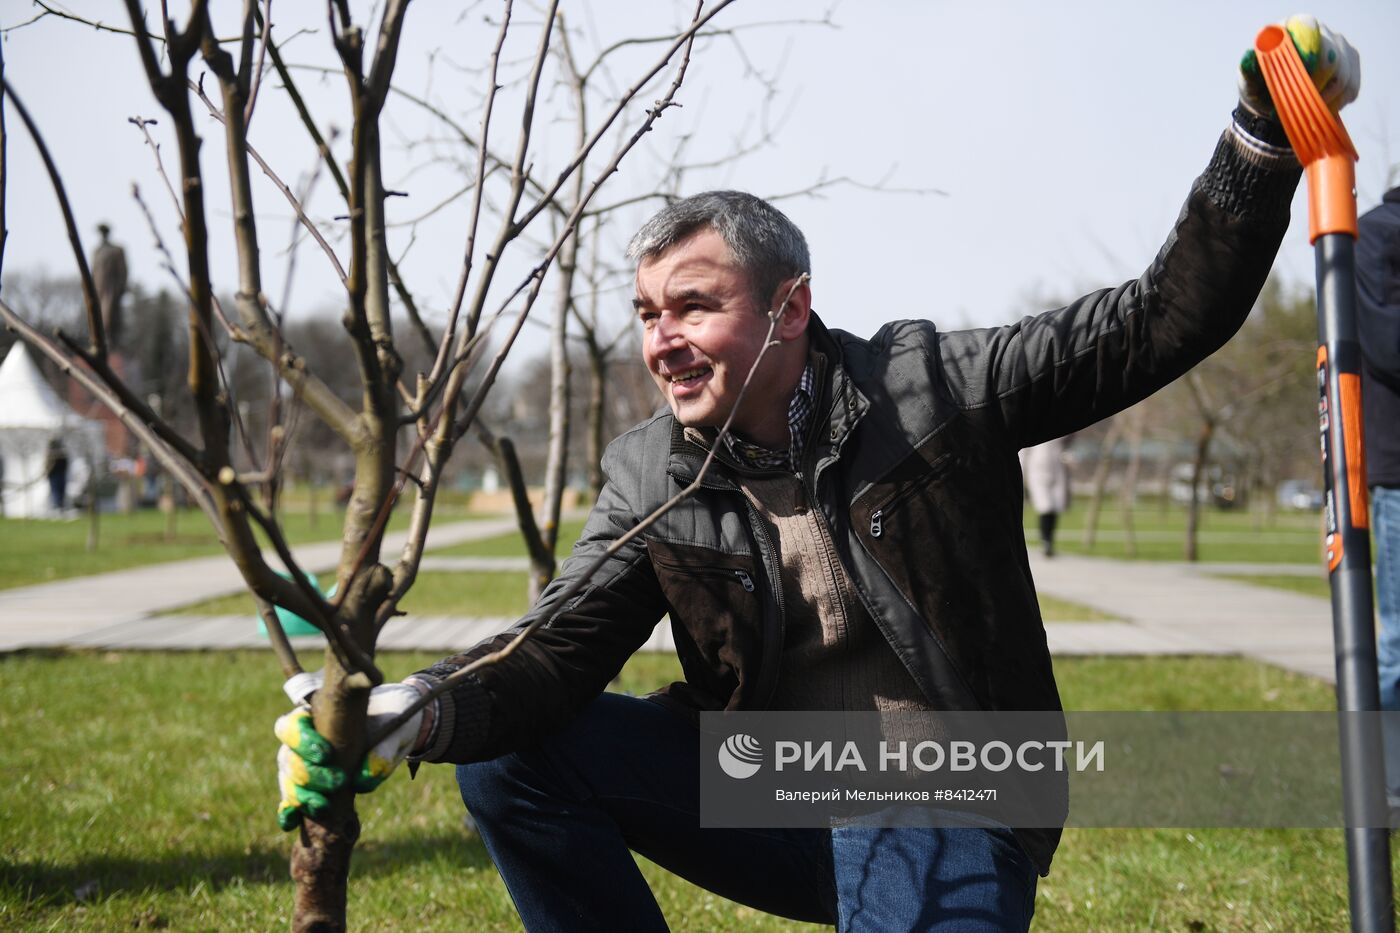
{"points": [[222, 469], [1257, 385]]}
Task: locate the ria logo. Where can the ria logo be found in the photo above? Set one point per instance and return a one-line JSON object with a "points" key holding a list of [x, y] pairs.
{"points": [[740, 756]]}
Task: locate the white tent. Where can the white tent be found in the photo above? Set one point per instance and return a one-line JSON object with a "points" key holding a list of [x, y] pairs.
{"points": [[31, 417]]}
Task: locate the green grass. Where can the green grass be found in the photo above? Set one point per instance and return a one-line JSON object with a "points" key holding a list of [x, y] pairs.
{"points": [[468, 593], [34, 551], [145, 781], [1224, 536], [510, 545], [473, 593], [40, 551], [1309, 586], [1054, 609]]}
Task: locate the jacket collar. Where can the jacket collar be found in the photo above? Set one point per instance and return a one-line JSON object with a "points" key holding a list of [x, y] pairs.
{"points": [[839, 407]]}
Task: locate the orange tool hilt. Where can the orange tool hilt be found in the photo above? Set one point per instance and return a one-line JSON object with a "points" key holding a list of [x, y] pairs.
{"points": [[1319, 139]]}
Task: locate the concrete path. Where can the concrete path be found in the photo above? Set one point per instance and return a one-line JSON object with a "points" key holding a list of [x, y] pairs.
{"points": [[65, 611], [1165, 608], [1191, 606]]}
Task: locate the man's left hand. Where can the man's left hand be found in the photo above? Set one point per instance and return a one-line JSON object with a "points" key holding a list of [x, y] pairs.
{"points": [[1328, 57], [306, 772]]}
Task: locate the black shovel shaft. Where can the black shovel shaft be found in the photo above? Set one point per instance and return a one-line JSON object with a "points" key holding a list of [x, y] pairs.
{"points": [[1348, 549]]}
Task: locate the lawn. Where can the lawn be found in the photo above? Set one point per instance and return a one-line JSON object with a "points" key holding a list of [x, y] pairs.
{"points": [[139, 793], [469, 593], [475, 593], [34, 551], [1160, 530], [1291, 537], [1309, 586], [510, 545]]}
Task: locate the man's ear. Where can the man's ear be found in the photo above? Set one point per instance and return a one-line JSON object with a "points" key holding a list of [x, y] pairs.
{"points": [[796, 313]]}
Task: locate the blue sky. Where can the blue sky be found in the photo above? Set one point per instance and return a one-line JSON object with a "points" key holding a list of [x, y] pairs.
{"points": [[1065, 137]]}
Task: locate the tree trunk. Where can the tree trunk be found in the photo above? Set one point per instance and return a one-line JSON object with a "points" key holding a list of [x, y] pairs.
{"points": [[541, 557], [321, 870], [597, 398], [170, 505], [93, 530], [556, 463], [1091, 519], [1198, 467], [1128, 495], [320, 863]]}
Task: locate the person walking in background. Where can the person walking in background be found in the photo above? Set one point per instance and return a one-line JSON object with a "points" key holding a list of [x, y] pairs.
{"points": [[56, 469], [1046, 470], [1378, 324]]}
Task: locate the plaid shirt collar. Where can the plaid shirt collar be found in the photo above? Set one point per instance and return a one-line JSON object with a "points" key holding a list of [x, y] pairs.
{"points": [[799, 416]]}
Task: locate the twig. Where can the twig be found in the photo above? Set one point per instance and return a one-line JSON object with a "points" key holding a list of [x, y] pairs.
{"points": [[454, 310], [141, 123], [710, 34], [262, 58], [169, 265], [49, 10], [4, 165], [536, 278], [277, 638], [276, 180], [93, 304], [170, 449]]}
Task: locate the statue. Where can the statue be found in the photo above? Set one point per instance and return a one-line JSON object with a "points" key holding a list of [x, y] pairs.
{"points": [[109, 277]]}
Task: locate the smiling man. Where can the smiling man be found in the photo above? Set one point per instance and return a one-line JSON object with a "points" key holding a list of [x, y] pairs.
{"points": [[856, 546], [705, 320]]}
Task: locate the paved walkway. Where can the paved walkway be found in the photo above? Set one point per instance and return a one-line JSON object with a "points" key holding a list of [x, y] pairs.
{"points": [[1165, 608], [67, 611]]}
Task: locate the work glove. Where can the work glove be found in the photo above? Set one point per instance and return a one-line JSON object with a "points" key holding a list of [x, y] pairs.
{"points": [[305, 769], [1328, 57]]}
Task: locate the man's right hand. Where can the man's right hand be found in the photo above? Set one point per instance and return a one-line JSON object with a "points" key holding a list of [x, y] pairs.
{"points": [[305, 769]]}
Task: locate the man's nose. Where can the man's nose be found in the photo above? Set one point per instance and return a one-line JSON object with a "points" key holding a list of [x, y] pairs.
{"points": [[665, 335]]}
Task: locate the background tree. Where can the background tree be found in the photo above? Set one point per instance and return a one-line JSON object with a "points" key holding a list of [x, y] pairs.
{"points": [[397, 428]]}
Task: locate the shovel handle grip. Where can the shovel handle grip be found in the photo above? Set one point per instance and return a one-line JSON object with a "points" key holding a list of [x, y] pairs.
{"points": [[1318, 137]]}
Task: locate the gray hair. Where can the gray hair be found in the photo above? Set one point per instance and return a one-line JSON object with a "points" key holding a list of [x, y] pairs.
{"points": [[767, 245]]}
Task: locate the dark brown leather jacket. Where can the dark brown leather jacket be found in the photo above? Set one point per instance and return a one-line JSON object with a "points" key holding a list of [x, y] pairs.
{"points": [[915, 468]]}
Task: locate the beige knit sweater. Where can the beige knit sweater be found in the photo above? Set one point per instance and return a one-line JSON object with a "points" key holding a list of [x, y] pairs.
{"points": [[833, 656]]}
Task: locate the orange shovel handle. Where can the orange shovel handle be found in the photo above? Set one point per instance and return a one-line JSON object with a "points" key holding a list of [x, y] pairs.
{"points": [[1319, 139]]}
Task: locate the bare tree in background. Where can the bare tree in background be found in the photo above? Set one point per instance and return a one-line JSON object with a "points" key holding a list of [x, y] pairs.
{"points": [[577, 310], [433, 407], [1258, 384]]}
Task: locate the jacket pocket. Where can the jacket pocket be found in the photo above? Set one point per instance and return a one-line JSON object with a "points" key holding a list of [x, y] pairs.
{"points": [[901, 495], [716, 606]]}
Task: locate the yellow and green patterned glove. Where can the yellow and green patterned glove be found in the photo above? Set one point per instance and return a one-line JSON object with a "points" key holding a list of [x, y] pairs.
{"points": [[1328, 57], [305, 774]]}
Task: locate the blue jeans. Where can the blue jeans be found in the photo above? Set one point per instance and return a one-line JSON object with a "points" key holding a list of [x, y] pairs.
{"points": [[1385, 534], [560, 817]]}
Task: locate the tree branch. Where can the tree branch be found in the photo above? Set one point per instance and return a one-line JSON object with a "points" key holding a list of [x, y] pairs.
{"points": [[168, 447], [282, 186], [91, 302]]}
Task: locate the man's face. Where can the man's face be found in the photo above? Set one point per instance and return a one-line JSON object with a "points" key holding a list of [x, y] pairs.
{"points": [[702, 333]]}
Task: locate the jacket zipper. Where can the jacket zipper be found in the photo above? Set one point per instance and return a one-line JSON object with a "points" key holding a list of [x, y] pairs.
{"points": [[775, 587], [877, 517], [745, 580]]}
